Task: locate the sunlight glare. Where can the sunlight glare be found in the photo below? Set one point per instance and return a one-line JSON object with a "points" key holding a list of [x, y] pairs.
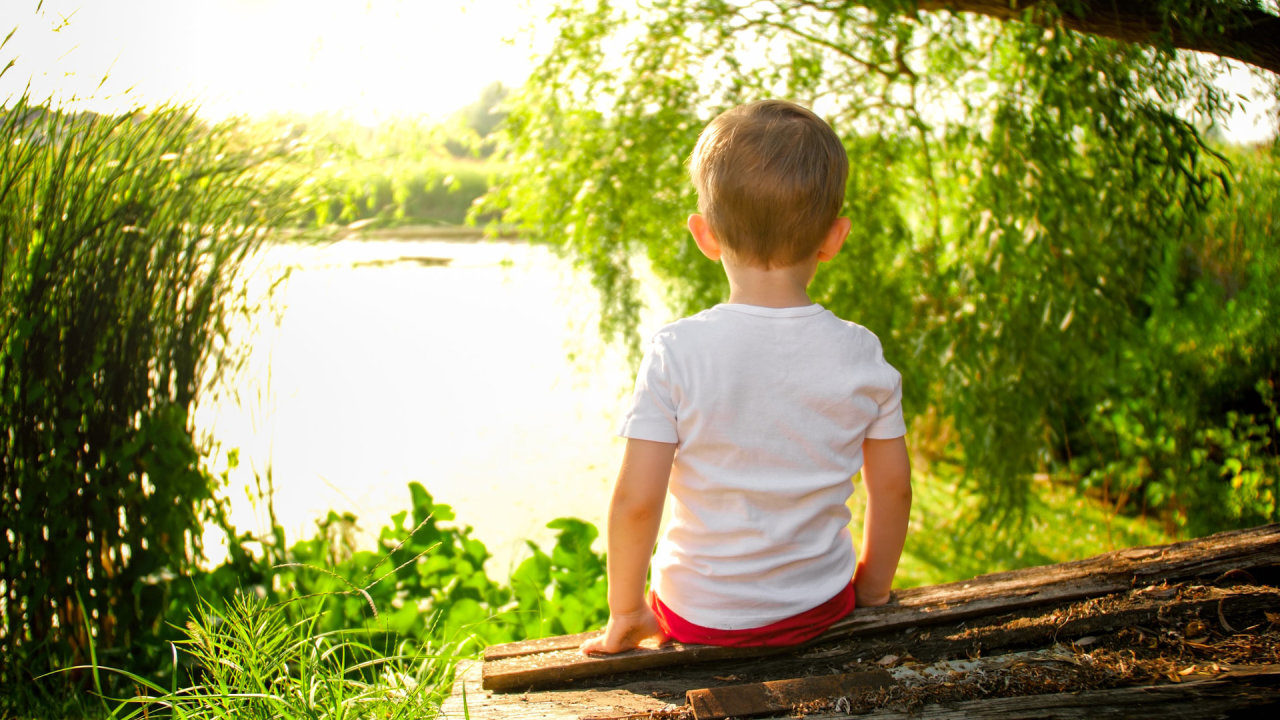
{"points": [[251, 57]]}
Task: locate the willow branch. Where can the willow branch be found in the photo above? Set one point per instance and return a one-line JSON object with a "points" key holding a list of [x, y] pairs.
{"points": [[1226, 29]]}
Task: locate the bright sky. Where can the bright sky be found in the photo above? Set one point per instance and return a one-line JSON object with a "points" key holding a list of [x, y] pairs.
{"points": [[369, 58]]}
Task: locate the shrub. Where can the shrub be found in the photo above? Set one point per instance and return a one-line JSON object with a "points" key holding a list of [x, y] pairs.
{"points": [[1187, 420]]}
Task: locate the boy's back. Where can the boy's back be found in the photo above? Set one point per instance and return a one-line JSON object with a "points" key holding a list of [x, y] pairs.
{"points": [[770, 407], [756, 414]]}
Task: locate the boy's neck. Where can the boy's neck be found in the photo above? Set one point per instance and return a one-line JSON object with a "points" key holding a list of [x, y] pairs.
{"points": [[777, 287]]}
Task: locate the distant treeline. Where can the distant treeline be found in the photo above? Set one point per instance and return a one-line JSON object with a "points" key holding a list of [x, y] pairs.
{"points": [[399, 172]]}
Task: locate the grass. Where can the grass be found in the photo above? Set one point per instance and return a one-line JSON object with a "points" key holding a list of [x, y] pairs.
{"points": [[949, 538], [121, 240], [254, 659]]}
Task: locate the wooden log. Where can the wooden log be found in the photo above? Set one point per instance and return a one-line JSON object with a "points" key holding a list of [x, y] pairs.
{"points": [[777, 697], [1237, 689], [1250, 693], [1244, 606], [554, 661], [470, 700]]}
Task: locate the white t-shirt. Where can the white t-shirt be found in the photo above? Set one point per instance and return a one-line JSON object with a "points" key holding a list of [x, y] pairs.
{"points": [[769, 408]]}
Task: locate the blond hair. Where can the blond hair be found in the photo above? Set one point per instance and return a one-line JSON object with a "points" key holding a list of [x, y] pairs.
{"points": [[770, 177]]}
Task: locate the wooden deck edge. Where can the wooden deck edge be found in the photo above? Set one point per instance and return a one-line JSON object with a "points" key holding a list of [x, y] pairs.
{"points": [[520, 666]]}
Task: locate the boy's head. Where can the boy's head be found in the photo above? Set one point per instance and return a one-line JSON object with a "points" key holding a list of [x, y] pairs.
{"points": [[770, 177]]}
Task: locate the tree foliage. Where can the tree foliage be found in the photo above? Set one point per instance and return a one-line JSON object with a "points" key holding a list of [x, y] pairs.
{"points": [[1020, 193], [473, 126]]}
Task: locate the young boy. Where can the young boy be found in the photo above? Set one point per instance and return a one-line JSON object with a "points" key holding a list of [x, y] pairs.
{"points": [[756, 414]]}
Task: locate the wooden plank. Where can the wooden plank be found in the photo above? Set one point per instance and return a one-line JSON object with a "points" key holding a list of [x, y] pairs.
{"points": [[469, 700], [557, 667], [778, 696], [1251, 693], [538, 645], [551, 661]]}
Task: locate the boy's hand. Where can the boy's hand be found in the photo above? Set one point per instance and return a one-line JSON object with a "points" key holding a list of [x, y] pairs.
{"points": [[874, 600], [625, 632]]}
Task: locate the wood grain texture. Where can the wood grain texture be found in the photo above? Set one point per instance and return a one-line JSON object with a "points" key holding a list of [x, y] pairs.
{"points": [[777, 697], [554, 661], [1254, 693], [470, 700]]}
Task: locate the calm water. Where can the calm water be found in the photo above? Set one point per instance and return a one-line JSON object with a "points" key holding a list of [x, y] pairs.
{"points": [[472, 368]]}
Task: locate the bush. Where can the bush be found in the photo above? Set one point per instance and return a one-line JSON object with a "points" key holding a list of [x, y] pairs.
{"points": [[424, 582], [1188, 421]]}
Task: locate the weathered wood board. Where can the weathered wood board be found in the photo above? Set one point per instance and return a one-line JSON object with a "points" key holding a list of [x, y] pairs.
{"points": [[774, 697], [1253, 693], [1253, 690], [552, 662], [470, 700]]}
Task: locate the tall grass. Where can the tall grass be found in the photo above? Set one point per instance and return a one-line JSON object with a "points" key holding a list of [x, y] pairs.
{"points": [[120, 240], [252, 658]]}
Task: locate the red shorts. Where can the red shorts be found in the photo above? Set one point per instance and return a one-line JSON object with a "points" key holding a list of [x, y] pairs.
{"points": [[791, 631]]}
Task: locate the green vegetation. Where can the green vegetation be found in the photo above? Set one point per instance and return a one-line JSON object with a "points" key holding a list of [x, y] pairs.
{"points": [[1070, 272], [951, 538], [402, 172], [319, 628], [425, 580], [120, 239], [251, 660]]}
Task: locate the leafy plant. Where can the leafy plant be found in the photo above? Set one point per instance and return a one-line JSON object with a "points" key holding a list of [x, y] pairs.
{"points": [[1187, 417], [564, 592], [425, 581]]}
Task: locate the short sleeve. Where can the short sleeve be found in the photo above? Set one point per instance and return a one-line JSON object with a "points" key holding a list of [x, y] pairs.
{"points": [[889, 423], [652, 415]]}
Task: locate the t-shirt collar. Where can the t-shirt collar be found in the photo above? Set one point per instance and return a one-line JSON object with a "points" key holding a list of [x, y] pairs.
{"points": [[772, 312]]}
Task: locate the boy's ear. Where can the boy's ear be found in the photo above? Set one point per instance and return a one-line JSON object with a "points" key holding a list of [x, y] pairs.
{"points": [[835, 238], [701, 232]]}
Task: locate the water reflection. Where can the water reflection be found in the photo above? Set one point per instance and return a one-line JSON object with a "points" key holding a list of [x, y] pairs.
{"points": [[473, 368]]}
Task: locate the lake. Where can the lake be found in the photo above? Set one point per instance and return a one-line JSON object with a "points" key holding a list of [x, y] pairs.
{"points": [[474, 368]]}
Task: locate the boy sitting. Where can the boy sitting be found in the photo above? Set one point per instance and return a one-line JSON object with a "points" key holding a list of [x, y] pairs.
{"points": [[756, 414]]}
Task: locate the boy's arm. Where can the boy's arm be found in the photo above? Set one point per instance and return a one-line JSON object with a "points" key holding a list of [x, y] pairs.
{"points": [[886, 473], [635, 513]]}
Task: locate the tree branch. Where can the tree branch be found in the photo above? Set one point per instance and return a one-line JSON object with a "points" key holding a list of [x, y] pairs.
{"points": [[1231, 29]]}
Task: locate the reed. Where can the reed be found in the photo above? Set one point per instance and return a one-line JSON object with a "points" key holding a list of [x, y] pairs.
{"points": [[120, 242]]}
